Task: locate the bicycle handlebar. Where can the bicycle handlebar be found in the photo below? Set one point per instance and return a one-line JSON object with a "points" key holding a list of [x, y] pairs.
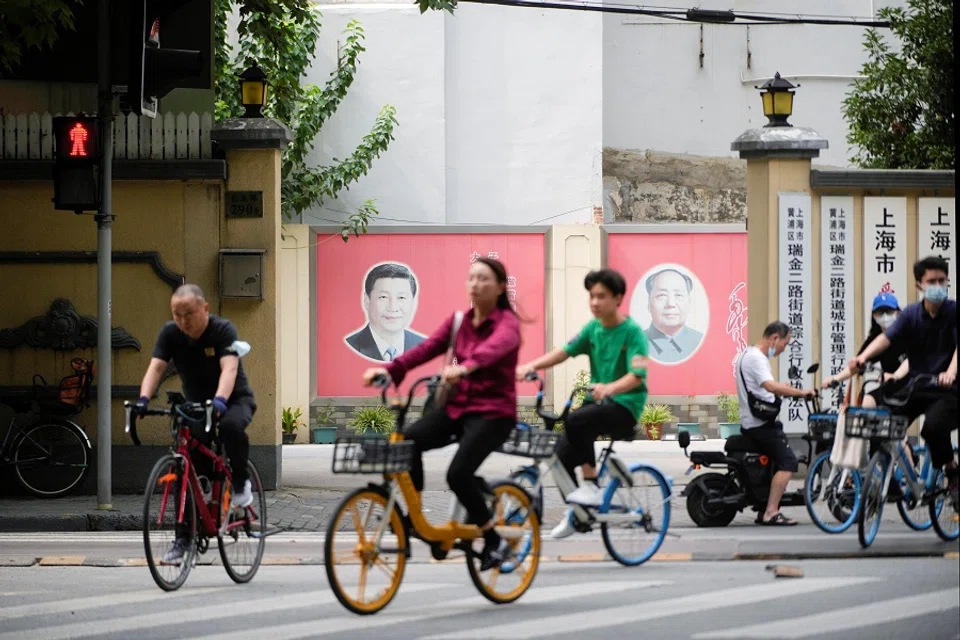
{"points": [[550, 419], [131, 418], [384, 382]]}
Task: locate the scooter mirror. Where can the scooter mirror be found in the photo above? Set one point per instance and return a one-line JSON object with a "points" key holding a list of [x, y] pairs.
{"points": [[813, 368], [684, 439]]}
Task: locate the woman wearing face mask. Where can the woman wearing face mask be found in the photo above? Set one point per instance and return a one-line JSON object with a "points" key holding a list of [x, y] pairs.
{"points": [[481, 410], [893, 361]]}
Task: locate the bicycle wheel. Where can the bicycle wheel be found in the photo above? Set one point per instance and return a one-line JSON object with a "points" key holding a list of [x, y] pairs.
{"points": [[840, 497], [871, 508], [51, 457], [239, 541], [161, 506], [944, 512], [363, 511], [519, 524], [527, 478], [649, 498]]}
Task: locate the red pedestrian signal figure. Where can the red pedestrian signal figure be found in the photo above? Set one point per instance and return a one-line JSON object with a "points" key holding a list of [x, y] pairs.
{"points": [[78, 139]]}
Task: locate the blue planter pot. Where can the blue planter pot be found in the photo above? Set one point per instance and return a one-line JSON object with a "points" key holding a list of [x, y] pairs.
{"points": [[728, 429], [323, 435]]}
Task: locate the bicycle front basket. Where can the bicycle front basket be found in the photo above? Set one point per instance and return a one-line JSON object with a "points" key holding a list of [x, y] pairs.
{"points": [[822, 425], [370, 454], [874, 424], [530, 443]]}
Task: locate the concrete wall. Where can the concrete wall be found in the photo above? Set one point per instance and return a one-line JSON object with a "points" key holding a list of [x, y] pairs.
{"points": [[500, 114], [294, 315]]}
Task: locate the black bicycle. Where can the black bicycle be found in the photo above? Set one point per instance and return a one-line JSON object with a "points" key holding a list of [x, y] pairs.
{"points": [[50, 454]]}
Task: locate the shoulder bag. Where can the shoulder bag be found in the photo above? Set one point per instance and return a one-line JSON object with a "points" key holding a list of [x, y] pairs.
{"points": [[760, 409], [438, 393]]}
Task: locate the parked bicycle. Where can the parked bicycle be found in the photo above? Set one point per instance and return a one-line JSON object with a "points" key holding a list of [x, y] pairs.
{"points": [[50, 455], [635, 496], [928, 487], [178, 503], [385, 545]]}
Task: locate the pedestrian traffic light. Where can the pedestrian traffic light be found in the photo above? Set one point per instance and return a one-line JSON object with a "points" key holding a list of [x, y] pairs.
{"points": [[76, 167], [155, 71]]}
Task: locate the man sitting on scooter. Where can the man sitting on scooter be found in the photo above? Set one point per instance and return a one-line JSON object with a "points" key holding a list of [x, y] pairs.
{"points": [[757, 391]]}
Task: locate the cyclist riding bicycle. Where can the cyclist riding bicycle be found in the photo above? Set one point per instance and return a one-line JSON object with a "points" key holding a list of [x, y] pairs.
{"points": [[618, 351], [206, 351], [927, 331], [481, 411]]}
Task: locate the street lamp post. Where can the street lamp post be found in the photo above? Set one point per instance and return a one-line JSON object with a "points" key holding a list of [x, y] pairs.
{"points": [[253, 91], [777, 101]]}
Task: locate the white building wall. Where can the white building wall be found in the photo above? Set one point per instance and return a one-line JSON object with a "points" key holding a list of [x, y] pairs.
{"points": [[503, 112]]}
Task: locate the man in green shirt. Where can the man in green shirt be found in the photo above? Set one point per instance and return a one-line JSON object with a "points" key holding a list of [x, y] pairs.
{"points": [[618, 351]]}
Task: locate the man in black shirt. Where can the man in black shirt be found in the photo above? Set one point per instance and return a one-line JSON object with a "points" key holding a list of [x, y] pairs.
{"points": [[206, 351]]}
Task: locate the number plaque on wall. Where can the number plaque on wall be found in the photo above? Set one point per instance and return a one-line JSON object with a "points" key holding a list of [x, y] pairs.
{"points": [[244, 204]]}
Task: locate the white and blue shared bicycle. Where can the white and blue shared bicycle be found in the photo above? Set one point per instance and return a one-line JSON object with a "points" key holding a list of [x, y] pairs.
{"points": [[636, 497]]}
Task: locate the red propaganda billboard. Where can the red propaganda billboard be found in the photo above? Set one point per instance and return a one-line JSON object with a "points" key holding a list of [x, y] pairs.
{"points": [[382, 294], [688, 291]]}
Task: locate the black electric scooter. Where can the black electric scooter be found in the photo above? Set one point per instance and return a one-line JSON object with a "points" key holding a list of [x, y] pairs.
{"points": [[713, 499]]}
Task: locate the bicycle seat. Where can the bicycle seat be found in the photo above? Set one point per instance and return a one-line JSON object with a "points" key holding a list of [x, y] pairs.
{"points": [[740, 443]]}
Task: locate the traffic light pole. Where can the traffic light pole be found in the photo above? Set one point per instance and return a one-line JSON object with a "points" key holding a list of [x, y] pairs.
{"points": [[104, 257]]}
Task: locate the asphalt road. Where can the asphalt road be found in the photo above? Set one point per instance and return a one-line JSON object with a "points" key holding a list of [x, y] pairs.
{"points": [[838, 600]]}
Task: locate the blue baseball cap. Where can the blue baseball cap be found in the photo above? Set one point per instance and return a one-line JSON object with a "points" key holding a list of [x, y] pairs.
{"points": [[887, 300]]}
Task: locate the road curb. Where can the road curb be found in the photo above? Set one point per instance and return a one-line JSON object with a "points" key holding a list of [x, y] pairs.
{"points": [[214, 560], [90, 521]]}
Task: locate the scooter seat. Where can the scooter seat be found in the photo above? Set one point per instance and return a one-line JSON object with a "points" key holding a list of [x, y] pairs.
{"points": [[741, 444], [707, 457]]}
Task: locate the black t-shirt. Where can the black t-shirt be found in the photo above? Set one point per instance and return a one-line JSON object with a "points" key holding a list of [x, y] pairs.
{"points": [[198, 361], [890, 359]]}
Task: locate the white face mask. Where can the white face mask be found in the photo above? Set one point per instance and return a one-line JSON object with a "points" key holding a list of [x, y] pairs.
{"points": [[771, 353], [886, 320]]}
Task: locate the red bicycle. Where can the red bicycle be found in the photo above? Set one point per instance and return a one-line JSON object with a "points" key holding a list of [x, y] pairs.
{"points": [[195, 511]]}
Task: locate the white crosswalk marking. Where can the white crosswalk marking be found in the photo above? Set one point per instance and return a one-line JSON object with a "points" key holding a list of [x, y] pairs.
{"points": [[201, 611], [388, 618], [874, 613], [93, 602], [631, 613]]}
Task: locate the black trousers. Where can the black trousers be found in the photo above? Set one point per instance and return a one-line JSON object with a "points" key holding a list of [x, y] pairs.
{"points": [[232, 431], [940, 408], [582, 428], [478, 437]]}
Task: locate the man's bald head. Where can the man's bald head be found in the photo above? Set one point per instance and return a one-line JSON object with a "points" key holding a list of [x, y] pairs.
{"points": [[191, 311]]}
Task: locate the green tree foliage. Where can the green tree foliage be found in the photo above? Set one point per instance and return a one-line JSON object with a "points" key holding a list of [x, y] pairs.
{"points": [[901, 114], [284, 46], [27, 25]]}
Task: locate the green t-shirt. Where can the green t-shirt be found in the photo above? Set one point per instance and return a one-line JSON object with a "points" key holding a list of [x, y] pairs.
{"points": [[613, 352]]}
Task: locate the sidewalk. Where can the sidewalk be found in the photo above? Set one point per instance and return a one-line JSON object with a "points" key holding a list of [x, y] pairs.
{"points": [[311, 494]]}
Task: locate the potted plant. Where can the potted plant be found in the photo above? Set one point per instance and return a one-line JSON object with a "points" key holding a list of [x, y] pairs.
{"points": [[290, 422], [375, 421], [325, 431], [653, 418], [730, 407]]}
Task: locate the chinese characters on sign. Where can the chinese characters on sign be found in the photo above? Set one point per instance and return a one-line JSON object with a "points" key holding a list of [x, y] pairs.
{"points": [[795, 293], [511, 280], [836, 289], [937, 233], [885, 265]]}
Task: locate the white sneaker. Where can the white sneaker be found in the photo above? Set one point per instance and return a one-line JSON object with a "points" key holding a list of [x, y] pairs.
{"points": [[588, 494], [243, 499], [565, 528]]}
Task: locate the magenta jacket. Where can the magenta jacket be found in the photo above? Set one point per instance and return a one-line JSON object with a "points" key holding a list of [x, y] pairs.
{"points": [[494, 347]]}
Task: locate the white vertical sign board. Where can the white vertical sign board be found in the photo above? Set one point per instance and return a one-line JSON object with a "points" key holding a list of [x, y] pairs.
{"points": [[937, 234], [795, 269], [885, 265], [836, 289]]}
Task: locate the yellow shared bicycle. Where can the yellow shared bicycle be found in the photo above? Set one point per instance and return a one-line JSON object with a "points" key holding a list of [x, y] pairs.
{"points": [[368, 538]]}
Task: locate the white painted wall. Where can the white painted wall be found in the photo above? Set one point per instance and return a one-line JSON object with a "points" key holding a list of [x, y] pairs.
{"points": [[500, 114], [504, 111], [657, 96]]}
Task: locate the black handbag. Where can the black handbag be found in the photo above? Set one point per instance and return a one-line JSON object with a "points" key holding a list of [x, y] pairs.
{"points": [[760, 409]]}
